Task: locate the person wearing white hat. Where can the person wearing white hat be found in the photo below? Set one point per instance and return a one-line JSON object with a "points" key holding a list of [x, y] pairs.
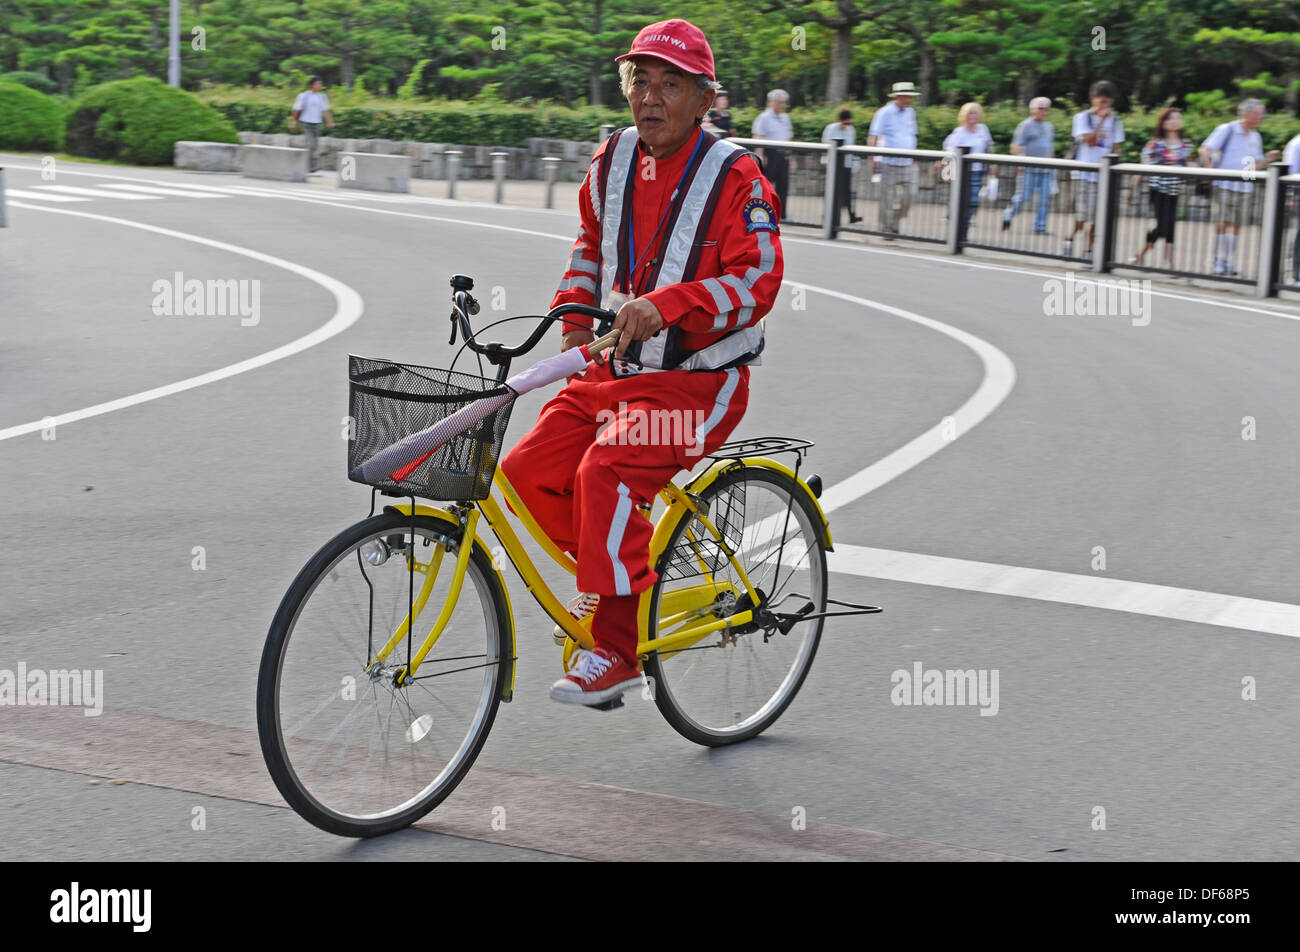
{"points": [[894, 126]]}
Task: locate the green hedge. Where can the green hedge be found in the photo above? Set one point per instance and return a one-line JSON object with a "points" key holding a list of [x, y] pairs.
{"points": [[29, 120], [140, 120], [42, 84], [509, 124]]}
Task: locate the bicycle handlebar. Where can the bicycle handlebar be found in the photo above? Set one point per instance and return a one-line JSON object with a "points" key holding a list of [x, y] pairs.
{"points": [[464, 305]]}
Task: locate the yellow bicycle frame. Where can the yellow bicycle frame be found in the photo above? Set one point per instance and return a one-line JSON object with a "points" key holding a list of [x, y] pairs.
{"points": [[684, 618]]}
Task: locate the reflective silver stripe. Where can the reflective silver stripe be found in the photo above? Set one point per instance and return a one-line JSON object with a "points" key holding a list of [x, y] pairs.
{"points": [[652, 350], [577, 263], [612, 217], [742, 286], [682, 241], [593, 188], [721, 403], [726, 350], [757, 190], [720, 299], [578, 281], [622, 585]]}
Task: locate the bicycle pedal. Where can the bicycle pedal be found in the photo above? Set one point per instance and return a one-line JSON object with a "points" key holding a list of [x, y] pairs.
{"points": [[612, 704]]}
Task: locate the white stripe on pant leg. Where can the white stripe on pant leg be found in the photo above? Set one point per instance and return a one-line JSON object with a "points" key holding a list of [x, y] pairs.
{"points": [[622, 586], [720, 405]]}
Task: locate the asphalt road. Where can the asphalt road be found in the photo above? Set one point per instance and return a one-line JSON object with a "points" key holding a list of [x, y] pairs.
{"points": [[1070, 435]]}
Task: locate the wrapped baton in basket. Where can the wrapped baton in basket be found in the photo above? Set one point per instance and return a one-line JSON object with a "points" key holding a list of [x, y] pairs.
{"points": [[437, 433], [391, 402]]}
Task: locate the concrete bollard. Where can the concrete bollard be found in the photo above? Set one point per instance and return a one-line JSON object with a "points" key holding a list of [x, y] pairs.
{"points": [[499, 175], [453, 171], [550, 168], [606, 131], [3, 221]]}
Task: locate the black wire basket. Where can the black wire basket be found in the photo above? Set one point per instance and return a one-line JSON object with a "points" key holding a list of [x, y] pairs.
{"points": [[389, 401], [697, 552]]}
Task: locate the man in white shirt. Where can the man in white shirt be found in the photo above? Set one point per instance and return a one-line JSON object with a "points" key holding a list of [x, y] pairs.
{"points": [[774, 123], [894, 127], [1291, 156], [310, 108], [1239, 147], [1097, 133], [843, 131]]}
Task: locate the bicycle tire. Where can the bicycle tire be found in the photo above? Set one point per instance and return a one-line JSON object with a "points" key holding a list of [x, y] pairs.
{"points": [[671, 703], [294, 788]]}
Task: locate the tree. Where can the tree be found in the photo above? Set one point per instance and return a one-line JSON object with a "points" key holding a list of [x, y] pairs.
{"points": [[340, 35]]}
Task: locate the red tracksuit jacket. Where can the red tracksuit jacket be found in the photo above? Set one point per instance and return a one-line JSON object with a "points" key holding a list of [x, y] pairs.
{"points": [[728, 248]]}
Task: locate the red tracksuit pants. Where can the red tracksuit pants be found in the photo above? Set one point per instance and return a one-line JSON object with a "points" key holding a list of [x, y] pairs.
{"points": [[603, 448]]}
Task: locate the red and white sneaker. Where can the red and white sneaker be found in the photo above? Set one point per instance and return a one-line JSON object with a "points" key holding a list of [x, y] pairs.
{"points": [[581, 606], [595, 677]]}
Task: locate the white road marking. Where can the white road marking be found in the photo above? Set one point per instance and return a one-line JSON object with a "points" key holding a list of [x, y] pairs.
{"points": [[41, 196], [348, 309], [1141, 598], [999, 379], [96, 193], [171, 192]]}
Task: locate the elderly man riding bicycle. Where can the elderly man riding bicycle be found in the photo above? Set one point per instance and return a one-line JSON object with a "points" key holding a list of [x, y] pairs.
{"points": [[679, 235]]}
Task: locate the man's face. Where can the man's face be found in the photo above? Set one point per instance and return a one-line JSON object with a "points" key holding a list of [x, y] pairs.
{"points": [[1039, 111], [903, 101], [1252, 118], [777, 105], [721, 101], [665, 103], [1101, 103], [317, 86]]}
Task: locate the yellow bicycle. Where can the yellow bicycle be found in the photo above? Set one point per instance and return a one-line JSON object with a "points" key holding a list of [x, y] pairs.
{"points": [[389, 655]]}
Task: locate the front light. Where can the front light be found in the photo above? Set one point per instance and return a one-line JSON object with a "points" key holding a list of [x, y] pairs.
{"points": [[375, 551]]}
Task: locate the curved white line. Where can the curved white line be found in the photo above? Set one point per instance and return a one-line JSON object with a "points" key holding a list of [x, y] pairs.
{"points": [[999, 379], [348, 310], [999, 372]]}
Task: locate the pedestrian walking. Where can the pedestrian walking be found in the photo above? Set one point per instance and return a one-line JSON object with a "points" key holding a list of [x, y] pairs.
{"points": [[972, 132], [773, 123], [1168, 146], [719, 117], [1034, 137], [894, 127], [310, 108], [1291, 157], [1097, 133], [1238, 146], [843, 132]]}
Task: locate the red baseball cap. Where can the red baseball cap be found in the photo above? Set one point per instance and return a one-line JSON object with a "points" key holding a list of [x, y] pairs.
{"points": [[679, 42]]}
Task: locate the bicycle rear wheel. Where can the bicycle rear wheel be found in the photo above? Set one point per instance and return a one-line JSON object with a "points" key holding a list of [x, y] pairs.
{"points": [[350, 750], [733, 684]]}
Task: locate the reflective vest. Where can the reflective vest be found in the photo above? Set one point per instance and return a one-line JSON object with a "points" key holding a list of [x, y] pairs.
{"points": [[676, 258]]}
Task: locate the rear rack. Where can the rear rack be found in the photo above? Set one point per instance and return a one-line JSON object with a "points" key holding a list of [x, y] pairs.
{"points": [[761, 446]]}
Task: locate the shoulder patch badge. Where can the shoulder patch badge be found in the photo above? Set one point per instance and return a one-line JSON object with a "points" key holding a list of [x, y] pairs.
{"points": [[759, 216]]}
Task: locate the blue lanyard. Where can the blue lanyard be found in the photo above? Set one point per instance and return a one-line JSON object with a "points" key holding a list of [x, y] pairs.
{"points": [[631, 215]]}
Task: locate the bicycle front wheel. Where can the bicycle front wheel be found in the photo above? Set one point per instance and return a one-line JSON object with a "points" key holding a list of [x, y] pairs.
{"points": [[352, 751], [733, 684]]}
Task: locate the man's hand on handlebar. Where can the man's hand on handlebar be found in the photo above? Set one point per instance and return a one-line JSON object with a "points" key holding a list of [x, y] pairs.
{"points": [[638, 319]]}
